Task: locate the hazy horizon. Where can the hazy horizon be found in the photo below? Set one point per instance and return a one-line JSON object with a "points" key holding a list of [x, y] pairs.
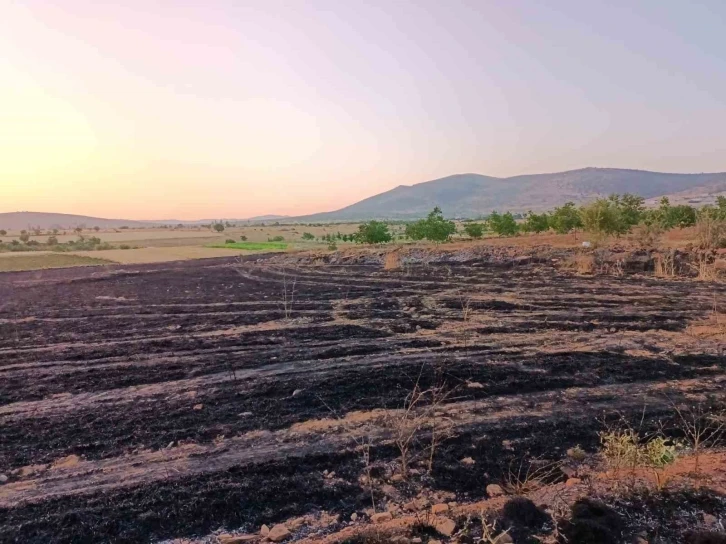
{"points": [[239, 109]]}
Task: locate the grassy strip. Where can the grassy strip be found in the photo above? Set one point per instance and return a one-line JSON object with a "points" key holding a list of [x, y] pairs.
{"points": [[252, 246], [18, 263]]}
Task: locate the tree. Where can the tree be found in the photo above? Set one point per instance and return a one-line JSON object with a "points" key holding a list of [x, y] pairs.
{"points": [[52, 241], [680, 216], [434, 227], [631, 208], [504, 224], [24, 236], [475, 230], [243, 238], [219, 227], [565, 218], [536, 222], [96, 228], [372, 232], [308, 236], [3, 232], [603, 216]]}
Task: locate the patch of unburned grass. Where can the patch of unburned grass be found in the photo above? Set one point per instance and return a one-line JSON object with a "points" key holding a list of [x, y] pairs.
{"points": [[16, 263], [252, 246]]}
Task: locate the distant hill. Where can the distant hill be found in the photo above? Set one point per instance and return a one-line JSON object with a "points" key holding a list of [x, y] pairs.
{"points": [[472, 195], [29, 220]]}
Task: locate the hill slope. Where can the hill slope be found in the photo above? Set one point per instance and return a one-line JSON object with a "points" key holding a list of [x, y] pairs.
{"points": [[29, 220], [471, 195]]}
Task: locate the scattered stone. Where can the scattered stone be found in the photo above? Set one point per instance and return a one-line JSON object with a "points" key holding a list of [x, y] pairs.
{"points": [[170, 445], [467, 461], [474, 385], [245, 414], [296, 392], [397, 478], [353, 516], [198, 406], [495, 490], [264, 530], [278, 533], [439, 508], [3, 478], [381, 517], [445, 526], [504, 538], [572, 482], [236, 539]]}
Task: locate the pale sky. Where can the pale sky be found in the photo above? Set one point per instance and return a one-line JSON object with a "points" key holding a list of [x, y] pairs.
{"points": [[201, 109]]}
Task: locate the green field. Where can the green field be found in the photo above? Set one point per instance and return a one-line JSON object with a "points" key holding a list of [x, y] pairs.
{"points": [[252, 246]]}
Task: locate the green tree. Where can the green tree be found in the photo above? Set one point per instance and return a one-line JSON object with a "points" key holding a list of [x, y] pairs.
{"points": [[603, 216], [504, 224], [219, 227], [631, 208], [475, 230], [536, 222], [434, 227], [565, 218], [373, 232]]}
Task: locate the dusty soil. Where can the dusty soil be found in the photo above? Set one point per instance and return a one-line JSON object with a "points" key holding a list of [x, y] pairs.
{"points": [[150, 402]]}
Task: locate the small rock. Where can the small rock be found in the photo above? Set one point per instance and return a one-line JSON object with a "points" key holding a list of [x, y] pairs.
{"points": [[397, 478], [572, 482], [445, 526], [296, 392], [353, 516], [245, 414], [389, 490], [467, 461], [198, 406], [381, 517], [474, 385], [503, 539], [416, 540], [278, 533], [439, 508], [3, 478], [170, 445], [237, 539], [264, 530], [495, 490]]}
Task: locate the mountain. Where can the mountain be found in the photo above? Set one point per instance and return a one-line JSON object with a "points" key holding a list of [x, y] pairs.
{"points": [[472, 195], [41, 220]]}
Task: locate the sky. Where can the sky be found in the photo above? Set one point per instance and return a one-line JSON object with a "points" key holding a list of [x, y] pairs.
{"points": [[180, 109]]}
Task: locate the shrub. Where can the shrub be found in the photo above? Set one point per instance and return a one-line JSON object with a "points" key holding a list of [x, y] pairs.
{"points": [[52, 241], [565, 218], [219, 227], [536, 222], [504, 224], [124, 246], [648, 235], [434, 227], [373, 232], [276, 239], [332, 246], [3, 232], [711, 229], [603, 217], [24, 236], [229, 241], [243, 238], [308, 236], [475, 230]]}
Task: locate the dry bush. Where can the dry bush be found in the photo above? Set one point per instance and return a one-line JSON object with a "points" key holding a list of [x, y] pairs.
{"points": [[529, 475], [392, 261], [647, 236], [710, 231], [584, 264], [665, 265], [702, 426]]}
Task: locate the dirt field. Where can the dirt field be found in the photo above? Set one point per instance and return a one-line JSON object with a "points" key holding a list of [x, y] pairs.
{"points": [[150, 402]]}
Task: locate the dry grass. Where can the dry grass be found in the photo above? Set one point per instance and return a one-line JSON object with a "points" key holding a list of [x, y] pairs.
{"points": [[14, 262], [393, 261], [159, 254], [665, 265], [584, 264]]}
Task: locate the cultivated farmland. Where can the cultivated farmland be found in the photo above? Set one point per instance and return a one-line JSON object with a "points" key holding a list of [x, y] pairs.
{"points": [[191, 399]]}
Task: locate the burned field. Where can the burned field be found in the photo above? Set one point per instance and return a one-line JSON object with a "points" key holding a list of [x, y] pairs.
{"points": [[152, 402]]}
